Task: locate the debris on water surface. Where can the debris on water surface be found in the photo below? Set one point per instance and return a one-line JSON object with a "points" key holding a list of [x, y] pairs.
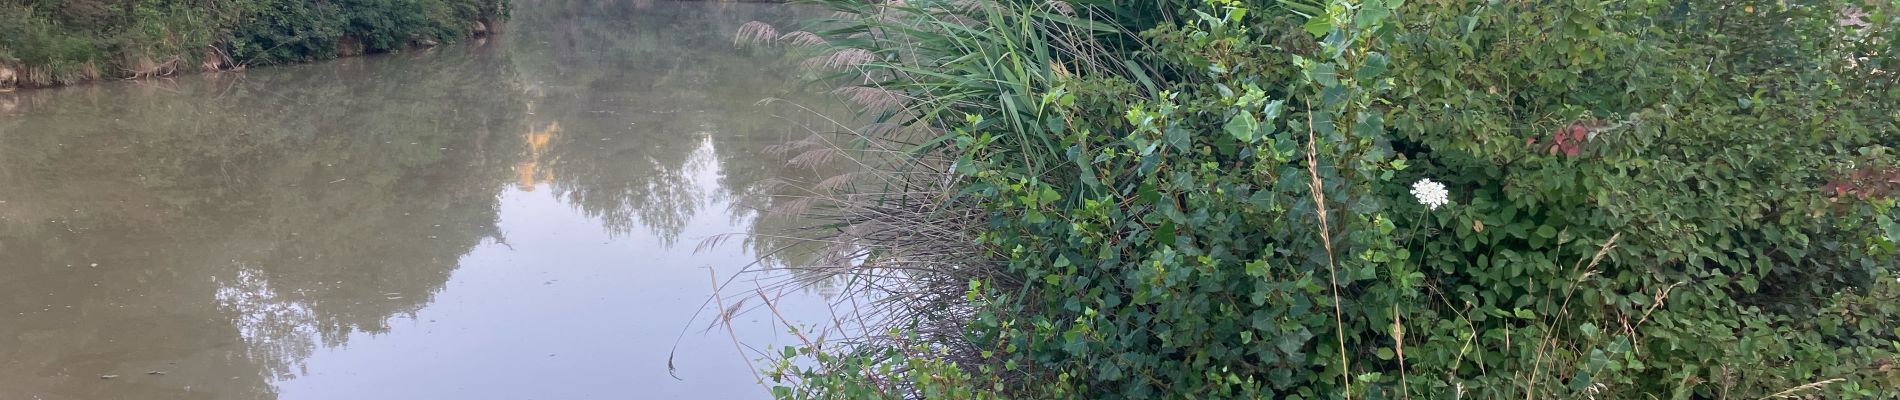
{"points": [[107, 376], [154, 372]]}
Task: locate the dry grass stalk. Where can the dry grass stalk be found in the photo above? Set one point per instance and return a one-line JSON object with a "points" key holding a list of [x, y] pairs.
{"points": [[803, 39], [841, 59], [726, 316], [1398, 338], [872, 99], [1549, 340], [1326, 239], [1793, 392]]}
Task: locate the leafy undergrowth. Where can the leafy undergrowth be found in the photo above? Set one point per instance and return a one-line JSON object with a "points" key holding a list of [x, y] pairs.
{"points": [[1225, 199]]}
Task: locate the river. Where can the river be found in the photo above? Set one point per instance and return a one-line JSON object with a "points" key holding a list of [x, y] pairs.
{"points": [[521, 217]]}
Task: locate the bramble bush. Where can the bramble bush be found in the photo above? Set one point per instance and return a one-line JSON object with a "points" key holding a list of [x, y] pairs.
{"points": [[1660, 199]]}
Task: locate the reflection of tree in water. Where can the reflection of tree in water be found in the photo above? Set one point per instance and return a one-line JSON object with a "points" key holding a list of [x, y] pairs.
{"points": [[296, 205], [648, 104]]}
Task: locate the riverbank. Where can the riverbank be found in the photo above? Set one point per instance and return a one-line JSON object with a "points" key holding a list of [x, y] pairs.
{"points": [[1370, 199], [72, 42]]}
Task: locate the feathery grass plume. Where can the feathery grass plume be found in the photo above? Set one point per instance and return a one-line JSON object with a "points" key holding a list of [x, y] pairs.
{"points": [[813, 158], [841, 59], [802, 39], [833, 183], [777, 150], [872, 99], [755, 33], [880, 129]]}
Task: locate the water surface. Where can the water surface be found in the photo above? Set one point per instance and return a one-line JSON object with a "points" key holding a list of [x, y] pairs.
{"points": [[510, 219]]}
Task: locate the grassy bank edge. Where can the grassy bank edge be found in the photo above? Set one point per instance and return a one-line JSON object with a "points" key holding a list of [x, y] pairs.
{"points": [[97, 53]]}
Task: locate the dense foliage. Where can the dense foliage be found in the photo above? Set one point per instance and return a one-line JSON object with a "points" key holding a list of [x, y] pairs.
{"points": [[49, 42], [1663, 199]]}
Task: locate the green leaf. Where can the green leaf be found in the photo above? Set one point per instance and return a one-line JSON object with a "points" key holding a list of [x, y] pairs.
{"points": [[1289, 344], [1598, 359], [1141, 75], [1319, 24], [1371, 13], [1257, 268], [1179, 138], [1242, 126], [1325, 74], [1271, 112], [1893, 229], [1375, 64], [1073, 342], [1047, 195], [1580, 381], [1329, 97], [1370, 125]]}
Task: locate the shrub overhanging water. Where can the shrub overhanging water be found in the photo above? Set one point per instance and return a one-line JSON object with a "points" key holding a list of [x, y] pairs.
{"points": [[1365, 199]]}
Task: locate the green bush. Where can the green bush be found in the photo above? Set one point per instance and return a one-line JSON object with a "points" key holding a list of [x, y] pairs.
{"points": [[77, 40], [29, 36], [1688, 199], [271, 32]]}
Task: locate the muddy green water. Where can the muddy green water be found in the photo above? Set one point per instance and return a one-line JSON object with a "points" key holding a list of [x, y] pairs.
{"points": [[517, 218]]}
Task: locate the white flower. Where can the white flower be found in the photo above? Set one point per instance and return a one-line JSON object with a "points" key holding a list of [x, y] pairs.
{"points": [[1431, 194]]}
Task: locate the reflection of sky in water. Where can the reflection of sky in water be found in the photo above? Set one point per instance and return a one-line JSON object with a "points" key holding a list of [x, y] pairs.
{"points": [[564, 310], [276, 332], [511, 219]]}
